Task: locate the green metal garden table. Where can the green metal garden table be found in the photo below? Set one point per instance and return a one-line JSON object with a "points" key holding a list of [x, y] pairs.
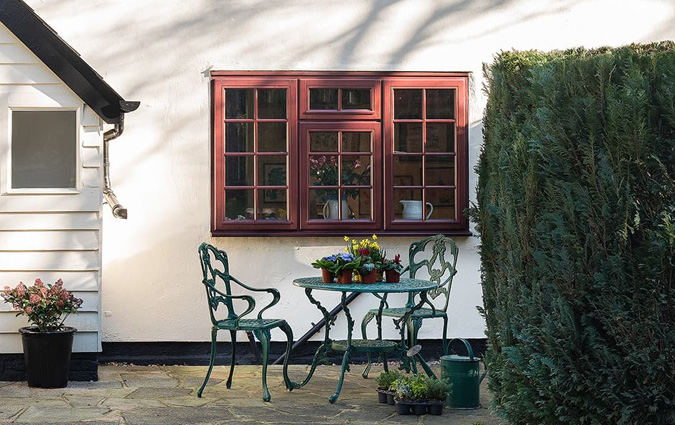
{"points": [[374, 346]]}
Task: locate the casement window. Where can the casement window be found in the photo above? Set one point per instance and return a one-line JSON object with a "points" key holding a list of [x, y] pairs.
{"points": [[323, 153], [43, 149]]}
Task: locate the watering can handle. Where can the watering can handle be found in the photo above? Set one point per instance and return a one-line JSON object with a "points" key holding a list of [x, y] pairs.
{"points": [[466, 344], [482, 359]]}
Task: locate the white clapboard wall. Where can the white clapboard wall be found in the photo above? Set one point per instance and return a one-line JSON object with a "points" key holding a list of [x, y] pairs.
{"points": [[46, 234]]}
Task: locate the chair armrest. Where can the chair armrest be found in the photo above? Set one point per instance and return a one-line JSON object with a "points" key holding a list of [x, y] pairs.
{"points": [[276, 296], [220, 299]]}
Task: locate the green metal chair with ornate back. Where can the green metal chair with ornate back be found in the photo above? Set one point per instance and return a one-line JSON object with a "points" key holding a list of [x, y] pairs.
{"points": [[437, 255], [230, 320]]}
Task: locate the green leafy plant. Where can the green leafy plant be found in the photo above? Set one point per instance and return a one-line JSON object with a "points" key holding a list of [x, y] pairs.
{"points": [[45, 306], [395, 264], [329, 263], [385, 379], [438, 389]]}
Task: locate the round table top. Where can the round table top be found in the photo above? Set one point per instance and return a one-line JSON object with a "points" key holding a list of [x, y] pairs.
{"points": [[405, 285]]}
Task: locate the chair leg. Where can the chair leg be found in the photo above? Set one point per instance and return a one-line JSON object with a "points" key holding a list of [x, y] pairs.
{"points": [[444, 337], [264, 337], [290, 385], [233, 357], [214, 332], [364, 324]]}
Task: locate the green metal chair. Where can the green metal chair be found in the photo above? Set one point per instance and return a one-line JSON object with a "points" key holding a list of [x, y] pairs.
{"points": [[438, 256], [232, 321]]}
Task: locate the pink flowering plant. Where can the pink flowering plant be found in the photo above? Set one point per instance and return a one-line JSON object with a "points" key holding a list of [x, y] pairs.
{"points": [[324, 171], [46, 306]]}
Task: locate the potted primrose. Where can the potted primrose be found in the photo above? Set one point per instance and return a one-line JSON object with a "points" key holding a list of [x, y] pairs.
{"points": [[47, 343], [327, 266]]}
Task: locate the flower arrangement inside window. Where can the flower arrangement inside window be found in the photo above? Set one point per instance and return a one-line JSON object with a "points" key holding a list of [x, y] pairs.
{"points": [[324, 171]]}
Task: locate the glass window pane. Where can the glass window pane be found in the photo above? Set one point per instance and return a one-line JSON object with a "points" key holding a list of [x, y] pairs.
{"points": [[407, 137], [356, 99], [440, 137], [323, 99], [408, 104], [44, 149], [321, 208], [272, 103], [323, 170], [353, 141], [323, 141], [356, 170], [272, 137], [238, 137], [359, 205], [443, 201], [272, 204], [238, 171], [271, 171], [238, 204], [238, 103], [440, 104], [440, 171], [409, 167], [408, 201]]}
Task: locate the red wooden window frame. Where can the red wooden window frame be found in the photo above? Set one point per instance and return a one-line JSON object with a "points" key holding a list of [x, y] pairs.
{"points": [[461, 177], [376, 173], [219, 224], [380, 120], [374, 85]]}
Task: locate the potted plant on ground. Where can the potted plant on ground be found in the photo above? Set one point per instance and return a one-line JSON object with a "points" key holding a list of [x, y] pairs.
{"points": [[392, 268], [47, 343], [437, 392], [384, 382], [403, 395], [327, 266]]}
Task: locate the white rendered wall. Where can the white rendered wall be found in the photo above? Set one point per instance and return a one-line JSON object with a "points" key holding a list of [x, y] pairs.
{"points": [[160, 52], [50, 234]]}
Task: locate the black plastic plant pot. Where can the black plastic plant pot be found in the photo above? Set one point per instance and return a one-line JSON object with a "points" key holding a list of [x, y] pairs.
{"points": [[436, 408], [419, 408], [402, 408], [47, 356], [390, 398], [381, 396]]}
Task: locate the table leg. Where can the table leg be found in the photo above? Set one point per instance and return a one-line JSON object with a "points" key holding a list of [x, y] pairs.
{"points": [[325, 347], [345, 366]]}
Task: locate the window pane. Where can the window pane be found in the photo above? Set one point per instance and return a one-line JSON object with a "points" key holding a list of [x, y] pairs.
{"points": [[408, 137], [271, 171], [440, 137], [356, 170], [409, 167], [238, 103], [323, 99], [440, 104], [239, 137], [271, 103], [272, 137], [408, 204], [323, 141], [440, 171], [443, 201], [323, 204], [239, 171], [360, 204], [356, 141], [356, 99], [238, 204], [323, 170], [408, 104], [272, 204], [44, 149]]}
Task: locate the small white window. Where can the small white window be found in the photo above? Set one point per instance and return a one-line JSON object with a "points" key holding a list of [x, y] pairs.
{"points": [[44, 147]]}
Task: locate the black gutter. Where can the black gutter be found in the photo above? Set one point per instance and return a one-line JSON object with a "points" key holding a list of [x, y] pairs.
{"points": [[317, 327]]}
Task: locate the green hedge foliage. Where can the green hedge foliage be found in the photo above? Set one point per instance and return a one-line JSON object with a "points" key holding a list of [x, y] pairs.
{"points": [[576, 210]]}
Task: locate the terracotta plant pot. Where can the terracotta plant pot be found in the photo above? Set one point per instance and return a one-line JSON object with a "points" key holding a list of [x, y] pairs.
{"points": [[327, 276], [345, 276], [370, 277], [393, 276]]}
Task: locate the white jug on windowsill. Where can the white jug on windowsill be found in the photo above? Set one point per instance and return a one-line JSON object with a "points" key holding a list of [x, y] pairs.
{"points": [[330, 209], [412, 210]]}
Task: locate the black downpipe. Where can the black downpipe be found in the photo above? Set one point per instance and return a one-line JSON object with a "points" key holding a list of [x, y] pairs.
{"points": [[317, 327]]}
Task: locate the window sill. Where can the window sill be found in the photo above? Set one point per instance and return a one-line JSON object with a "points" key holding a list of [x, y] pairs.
{"points": [[336, 232]]}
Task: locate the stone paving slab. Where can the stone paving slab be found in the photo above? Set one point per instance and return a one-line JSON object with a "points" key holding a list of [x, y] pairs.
{"points": [[166, 395]]}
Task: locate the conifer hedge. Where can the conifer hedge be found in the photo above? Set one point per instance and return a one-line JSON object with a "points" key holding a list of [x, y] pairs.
{"points": [[576, 210]]}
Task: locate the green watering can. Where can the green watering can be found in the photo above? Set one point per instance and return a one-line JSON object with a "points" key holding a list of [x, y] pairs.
{"points": [[464, 375]]}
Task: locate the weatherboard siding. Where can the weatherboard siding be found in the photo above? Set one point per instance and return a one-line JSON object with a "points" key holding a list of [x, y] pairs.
{"points": [[49, 235]]}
